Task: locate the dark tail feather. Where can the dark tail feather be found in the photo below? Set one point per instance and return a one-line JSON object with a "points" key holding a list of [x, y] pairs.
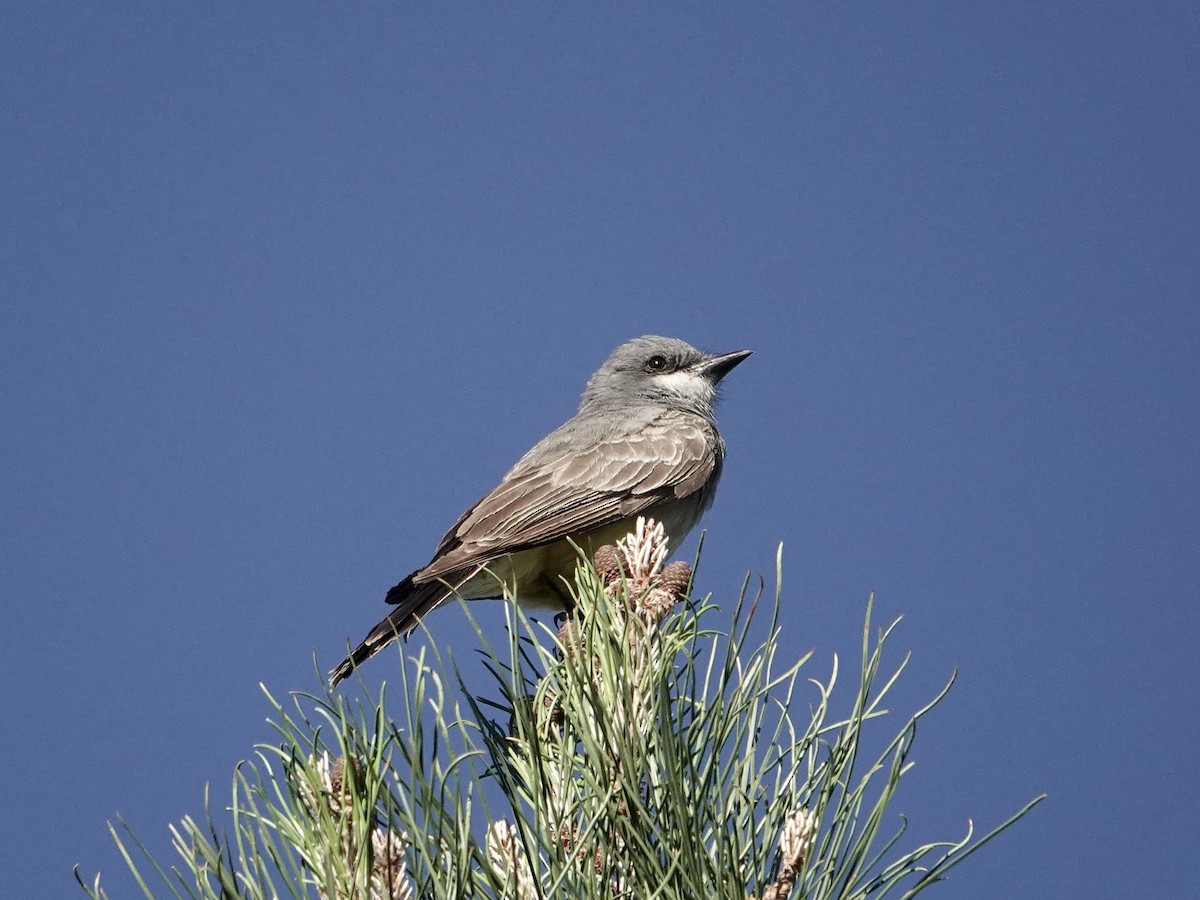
{"points": [[412, 602], [402, 591]]}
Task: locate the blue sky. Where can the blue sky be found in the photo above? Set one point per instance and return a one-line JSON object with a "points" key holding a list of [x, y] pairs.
{"points": [[285, 287]]}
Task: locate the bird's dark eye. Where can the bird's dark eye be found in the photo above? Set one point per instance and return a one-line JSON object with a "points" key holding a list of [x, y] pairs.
{"points": [[656, 363]]}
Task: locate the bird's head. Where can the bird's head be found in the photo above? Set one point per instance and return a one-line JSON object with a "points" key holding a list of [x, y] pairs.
{"points": [[660, 371]]}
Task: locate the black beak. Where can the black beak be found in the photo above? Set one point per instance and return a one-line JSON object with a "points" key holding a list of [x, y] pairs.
{"points": [[718, 367]]}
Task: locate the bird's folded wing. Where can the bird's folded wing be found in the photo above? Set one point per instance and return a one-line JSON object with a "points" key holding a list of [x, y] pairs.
{"points": [[573, 492]]}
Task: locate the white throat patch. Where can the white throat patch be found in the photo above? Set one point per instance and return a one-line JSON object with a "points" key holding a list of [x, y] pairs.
{"points": [[692, 387]]}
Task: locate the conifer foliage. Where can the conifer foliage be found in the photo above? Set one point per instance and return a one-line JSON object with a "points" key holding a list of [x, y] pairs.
{"points": [[637, 752]]}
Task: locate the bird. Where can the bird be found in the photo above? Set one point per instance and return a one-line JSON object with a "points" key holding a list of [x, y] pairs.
{"points": [[643, 442]]}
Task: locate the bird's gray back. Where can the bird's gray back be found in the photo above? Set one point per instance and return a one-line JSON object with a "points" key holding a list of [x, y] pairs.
{"points": [[592, 471]]}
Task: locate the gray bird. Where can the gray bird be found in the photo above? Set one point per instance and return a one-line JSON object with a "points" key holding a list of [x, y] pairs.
{"points": [[643, 443]]}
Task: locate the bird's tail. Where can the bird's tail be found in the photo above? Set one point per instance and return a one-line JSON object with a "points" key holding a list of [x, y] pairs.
{"points": [[412, 602]]}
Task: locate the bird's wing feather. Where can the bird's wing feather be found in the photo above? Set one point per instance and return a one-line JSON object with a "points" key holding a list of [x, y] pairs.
{"points": [[571, 491]]}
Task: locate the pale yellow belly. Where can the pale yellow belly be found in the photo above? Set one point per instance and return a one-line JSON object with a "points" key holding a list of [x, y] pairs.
{"points": [[536, 576]]}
